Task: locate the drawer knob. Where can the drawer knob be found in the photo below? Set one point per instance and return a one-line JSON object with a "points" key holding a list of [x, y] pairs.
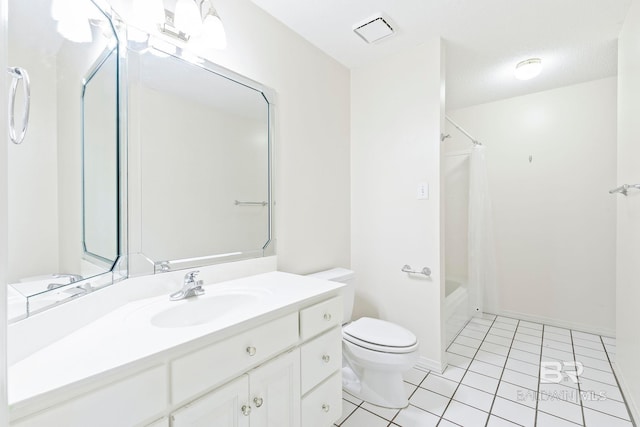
{"points": [[326, 407], [251, 351], [326, 358], [258, 401], [246, 410], [327, 316]]}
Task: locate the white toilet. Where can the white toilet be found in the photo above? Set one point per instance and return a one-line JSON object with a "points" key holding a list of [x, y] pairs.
{"points": [[375, 352]]}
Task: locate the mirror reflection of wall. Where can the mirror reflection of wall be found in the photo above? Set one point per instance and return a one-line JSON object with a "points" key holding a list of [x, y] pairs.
{"points": [[204, 160], [45, 171]]}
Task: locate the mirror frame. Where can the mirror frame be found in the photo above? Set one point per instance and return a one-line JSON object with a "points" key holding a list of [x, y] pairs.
{"points": [[140, 264]]}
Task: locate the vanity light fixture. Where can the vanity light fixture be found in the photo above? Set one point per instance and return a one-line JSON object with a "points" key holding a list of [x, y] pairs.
{"points": [[72, 20], [195, 21], [528, 69]]}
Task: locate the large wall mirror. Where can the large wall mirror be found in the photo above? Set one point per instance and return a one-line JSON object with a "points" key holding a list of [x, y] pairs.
{"points": [[201, 137], [63, 178]]}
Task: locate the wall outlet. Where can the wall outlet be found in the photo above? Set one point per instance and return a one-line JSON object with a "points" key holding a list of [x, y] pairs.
{"points": [[423, 191]]}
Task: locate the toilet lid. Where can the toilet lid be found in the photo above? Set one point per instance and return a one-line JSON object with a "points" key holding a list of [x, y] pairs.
{"points": [[379, 334]]}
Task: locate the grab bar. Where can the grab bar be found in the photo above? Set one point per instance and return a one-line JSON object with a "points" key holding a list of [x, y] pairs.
{"points": [[407, 269], [239, 203], [19, 74], [624, 188]]}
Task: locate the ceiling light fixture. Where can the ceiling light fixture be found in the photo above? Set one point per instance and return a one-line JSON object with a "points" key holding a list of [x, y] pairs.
{"points": [[374, 29], [528, 69]]}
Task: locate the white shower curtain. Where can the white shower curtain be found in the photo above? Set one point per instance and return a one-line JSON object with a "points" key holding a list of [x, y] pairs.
{"points": [[481, 254]]}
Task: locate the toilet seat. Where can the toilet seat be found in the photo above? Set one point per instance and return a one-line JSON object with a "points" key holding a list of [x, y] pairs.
{"points": [[380, 335]]}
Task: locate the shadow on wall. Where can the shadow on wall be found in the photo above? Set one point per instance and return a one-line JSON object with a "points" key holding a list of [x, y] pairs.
{"points": [[364, 307]]}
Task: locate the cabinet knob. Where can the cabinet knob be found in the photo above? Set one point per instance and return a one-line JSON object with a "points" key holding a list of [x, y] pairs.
{"points": [[326, 407], [258, 401], [251, 351], [326, 358], [246, 410], [327, 316]]}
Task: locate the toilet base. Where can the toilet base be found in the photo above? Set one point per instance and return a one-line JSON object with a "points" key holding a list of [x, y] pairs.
{"points": [[385, 389]]}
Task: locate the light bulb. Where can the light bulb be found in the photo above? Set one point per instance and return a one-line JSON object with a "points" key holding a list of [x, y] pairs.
{"points": [[213, 33], [528, 69], [148, 13], [187, 17], [75, 30]]}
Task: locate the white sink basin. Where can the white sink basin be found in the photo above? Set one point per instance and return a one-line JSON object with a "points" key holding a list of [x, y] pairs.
{"points": [[204, 309]]}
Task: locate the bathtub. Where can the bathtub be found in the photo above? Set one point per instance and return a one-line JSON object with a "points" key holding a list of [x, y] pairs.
{"points": [[456, 307]]}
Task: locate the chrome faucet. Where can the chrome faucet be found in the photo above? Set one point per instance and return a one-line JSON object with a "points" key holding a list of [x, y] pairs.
{"points": [[190, 288]]}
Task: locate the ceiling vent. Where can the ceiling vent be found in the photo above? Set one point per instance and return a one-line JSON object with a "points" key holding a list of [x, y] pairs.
{"points": [[374, 30]]}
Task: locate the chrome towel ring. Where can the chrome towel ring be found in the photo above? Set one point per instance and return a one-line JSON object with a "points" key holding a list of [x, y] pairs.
{"points": [[19, 74]]}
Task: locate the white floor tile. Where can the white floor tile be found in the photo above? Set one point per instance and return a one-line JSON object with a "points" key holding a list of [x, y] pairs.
{"points": [[523, 367], [594, 388], [565, 338], [608, 406], [598, 375], [429, 401], [598, 419], [595, 345], [469, 342], [347, 409], [530, 325], [585, 336], [414, 376], [560, 408], [362, 418], [495, 348], [507, 320], [520, 379], [556, 330], [525, 346], [497, 339], [492, 358], [458, 360], [472, 334], [528, 338], [445, 423], [481, 382], [462, 350], [502, 333], [553, 354], [465, 415], [474, 397], [346, 396], [550, 391], [439, 385], [524, 356], [517, 394], [415, 417], [499, 422], [476, 327], [409, 388], [485, 369], [557, 345], [529, 331], [504, 326], [603, 365], [386, 413], [609, 341], [514, 412], [481, 321], [452, 373], [546, 420]]}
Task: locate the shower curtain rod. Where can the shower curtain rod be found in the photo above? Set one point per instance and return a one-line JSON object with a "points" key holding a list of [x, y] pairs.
{"points": [[457, 126]]}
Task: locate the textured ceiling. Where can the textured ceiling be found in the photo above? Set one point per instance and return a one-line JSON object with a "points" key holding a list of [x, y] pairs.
{"points": [[484, 39]]}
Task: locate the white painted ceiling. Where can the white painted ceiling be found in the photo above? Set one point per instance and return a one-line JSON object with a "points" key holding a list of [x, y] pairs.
{"points": [[484, 39]]}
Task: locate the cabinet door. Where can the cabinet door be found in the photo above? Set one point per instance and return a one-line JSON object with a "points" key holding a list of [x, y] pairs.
{"points": [[224, 407], [274, 392]]}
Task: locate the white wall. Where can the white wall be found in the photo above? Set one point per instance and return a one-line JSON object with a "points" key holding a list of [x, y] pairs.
{"points": [[312, 133], [554, 220], [628, 211], [455, 173], [395, 134]]}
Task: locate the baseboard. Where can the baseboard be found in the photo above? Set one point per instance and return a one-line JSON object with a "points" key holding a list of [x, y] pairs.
{"points": [[626, 392], [576, 326], [430, 365]]}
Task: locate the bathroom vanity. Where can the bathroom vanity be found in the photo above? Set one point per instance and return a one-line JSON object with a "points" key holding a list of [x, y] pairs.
{"points": [[263, 350]]}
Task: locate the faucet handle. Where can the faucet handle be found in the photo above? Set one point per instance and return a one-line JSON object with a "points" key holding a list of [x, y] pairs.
{"points": [[191, 276]]}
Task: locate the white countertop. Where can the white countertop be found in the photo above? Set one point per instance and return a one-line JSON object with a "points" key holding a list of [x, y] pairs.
{"points": [[126, 335]]}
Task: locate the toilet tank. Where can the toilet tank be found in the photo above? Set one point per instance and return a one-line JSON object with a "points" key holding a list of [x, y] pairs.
{"points": [[348, 277]]}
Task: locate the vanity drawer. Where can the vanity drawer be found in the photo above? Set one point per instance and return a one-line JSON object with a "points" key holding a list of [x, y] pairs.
{"points": [[320, 317], [323, 406], [203, 369], [320, 358]]}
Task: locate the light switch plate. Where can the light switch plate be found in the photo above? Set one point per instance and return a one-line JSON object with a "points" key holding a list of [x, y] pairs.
{"points": [[423, 191]]}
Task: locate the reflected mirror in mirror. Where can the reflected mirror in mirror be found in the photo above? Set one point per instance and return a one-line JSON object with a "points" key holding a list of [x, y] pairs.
{"points": [[204, 152], [59, 44]]}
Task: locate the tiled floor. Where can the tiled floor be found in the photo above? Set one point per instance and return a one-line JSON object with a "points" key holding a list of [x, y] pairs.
{"points": [[494, 379]]}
